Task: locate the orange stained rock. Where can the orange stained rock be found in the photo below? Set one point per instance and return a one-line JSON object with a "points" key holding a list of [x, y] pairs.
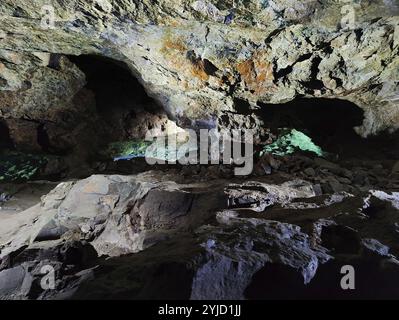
{"points": [[257, 73]]}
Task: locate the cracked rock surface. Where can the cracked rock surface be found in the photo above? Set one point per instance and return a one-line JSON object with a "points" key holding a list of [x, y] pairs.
{"points": [[263, 238], [196, 58]]}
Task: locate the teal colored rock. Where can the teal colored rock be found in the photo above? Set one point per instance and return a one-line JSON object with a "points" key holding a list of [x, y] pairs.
{"points": [[293, 140]]}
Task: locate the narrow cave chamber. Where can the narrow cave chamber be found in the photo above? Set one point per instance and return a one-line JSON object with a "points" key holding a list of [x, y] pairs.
{"points": [[330, 124]]}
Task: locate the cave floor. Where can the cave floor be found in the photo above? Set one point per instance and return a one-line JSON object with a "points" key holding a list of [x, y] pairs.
{"points": [[178, 233]]}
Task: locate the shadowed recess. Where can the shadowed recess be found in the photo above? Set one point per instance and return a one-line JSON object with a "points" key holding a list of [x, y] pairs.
{"points": [[329, 123]]}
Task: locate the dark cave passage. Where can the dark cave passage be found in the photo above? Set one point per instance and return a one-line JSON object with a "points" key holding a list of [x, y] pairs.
{"points": [[124, 113], [121, 101], [113, 84], [5, 139], [327, 121], [330, 123], [112, 109], [43, 138]]}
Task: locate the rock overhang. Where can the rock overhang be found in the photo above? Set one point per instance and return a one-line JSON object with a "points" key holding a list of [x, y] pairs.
{"points": [[195, 66]]}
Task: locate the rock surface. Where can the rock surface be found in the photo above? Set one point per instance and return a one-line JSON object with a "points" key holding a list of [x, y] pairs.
{"points": [[198, 58], [265, 237], [118, 214]]}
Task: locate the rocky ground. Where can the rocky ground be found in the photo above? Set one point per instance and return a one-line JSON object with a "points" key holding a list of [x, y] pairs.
{"points": [[199, 233]]}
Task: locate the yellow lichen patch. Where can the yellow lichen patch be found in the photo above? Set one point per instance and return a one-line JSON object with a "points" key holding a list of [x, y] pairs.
{"points": [[247, 70], [171, 22], [174, 52], [257, 73], [172, 44], [198, 70]]}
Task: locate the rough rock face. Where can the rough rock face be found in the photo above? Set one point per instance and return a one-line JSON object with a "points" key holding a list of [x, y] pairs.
{"points": [[263, 238], [119, 214], [198, 58]]}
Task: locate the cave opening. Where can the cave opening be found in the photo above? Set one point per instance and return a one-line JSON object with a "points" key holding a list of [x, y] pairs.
{"points": [[109, 116], [329, 123], [114, 85], [122, 103], [5, 138], [43, 139]]}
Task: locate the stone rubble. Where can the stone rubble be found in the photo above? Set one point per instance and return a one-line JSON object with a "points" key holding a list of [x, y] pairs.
{"points": [[218, 239]]}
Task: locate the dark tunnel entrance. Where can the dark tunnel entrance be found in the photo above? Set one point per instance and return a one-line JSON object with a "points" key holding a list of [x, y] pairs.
{"points": [[112, 82], [330, 124], [109, 116], [124, 114], [5, 139], [121, 101]]}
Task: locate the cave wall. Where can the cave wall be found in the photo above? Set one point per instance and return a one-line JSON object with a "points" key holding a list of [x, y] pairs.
{"points": [[198, 58]]}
